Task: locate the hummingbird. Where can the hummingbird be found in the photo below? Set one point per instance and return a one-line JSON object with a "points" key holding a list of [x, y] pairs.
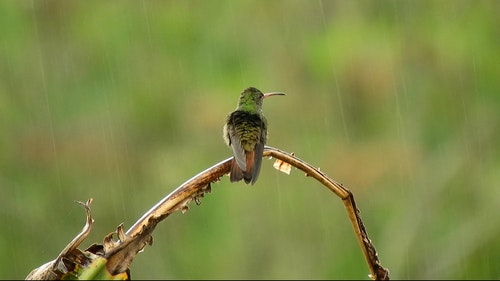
{"points": [[245, 132]]}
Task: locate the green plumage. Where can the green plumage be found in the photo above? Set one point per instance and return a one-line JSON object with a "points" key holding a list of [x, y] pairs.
{"points": [[245, 132]]}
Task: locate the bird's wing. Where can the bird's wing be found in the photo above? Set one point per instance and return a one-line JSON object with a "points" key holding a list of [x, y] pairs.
{"points": [[238, 151], [257, 156]]}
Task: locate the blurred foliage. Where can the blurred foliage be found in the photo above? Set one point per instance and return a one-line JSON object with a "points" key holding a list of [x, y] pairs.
{"points": [[123, 101]]}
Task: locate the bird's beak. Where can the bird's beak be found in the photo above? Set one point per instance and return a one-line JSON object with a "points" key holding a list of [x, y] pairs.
{"points": [[273, 94]]}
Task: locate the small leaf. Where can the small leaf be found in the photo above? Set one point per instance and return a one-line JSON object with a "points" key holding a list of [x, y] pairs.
{"points": [[282, 166]]}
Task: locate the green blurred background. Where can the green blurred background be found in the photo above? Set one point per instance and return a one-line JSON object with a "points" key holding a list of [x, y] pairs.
{"points": [[123, 101]]}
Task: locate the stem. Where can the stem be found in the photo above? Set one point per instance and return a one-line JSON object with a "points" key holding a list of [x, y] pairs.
{"points": [[195, 187]]}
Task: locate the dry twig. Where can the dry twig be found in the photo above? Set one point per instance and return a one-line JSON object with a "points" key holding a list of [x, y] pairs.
{"points": [[195, 187], [112, 259]]}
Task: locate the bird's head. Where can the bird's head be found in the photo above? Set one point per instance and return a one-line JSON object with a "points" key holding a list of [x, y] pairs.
{"points": [[251, 99]]}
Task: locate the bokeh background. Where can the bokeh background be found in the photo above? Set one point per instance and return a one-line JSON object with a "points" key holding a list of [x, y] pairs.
{"points": [[123, 101]]}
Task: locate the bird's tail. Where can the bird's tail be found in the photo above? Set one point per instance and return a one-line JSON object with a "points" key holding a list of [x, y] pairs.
{"points": [[238, 174]]}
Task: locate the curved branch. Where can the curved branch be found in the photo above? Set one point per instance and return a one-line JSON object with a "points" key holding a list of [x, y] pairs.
{"points": [[377, 271], [195, 188]]}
